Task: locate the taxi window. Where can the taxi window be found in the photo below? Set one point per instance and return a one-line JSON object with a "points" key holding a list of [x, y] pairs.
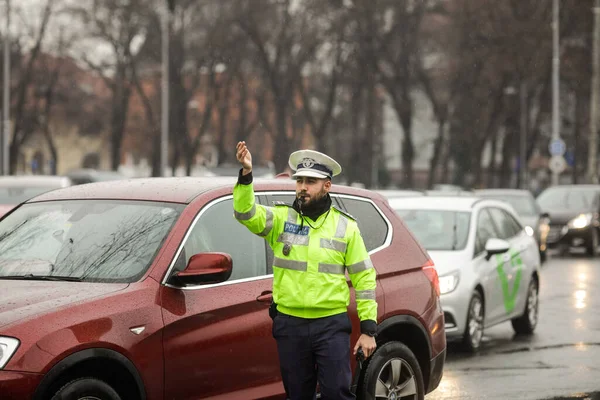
{"points": [[506, 227], [485, 230]]}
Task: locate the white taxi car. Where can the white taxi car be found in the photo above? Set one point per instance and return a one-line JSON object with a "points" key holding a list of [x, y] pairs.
{"points": [[487, 262]]}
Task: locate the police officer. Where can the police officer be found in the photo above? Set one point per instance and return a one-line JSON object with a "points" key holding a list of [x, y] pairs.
{"points": [[314, 245]]}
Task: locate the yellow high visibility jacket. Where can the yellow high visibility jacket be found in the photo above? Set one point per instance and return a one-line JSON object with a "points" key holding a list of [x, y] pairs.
{"points": [[310, 281]]}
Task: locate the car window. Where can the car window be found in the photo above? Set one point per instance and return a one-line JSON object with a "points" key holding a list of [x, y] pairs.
{"points": [[373, 227], [438, 229], [218, 231], [515, 224], [505, 226], [485, 230], [287, 198]]}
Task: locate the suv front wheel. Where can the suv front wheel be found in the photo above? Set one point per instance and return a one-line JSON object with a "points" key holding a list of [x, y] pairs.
{"points": [[86, 388], [393, 372]]}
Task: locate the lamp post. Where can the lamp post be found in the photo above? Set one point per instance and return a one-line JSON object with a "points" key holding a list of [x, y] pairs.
{"points": [[594, 99], [5, 117], [164, 133], [555, 82]]}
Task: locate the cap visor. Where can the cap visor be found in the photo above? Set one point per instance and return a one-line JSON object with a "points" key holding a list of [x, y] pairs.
{"points": [[310, 174]]}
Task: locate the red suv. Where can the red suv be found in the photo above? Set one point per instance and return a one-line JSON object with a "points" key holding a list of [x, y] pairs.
{"points": [[150, 289]]}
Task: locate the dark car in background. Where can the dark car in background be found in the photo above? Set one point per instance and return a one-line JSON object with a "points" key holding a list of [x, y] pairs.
{"points": [[529, 211], [573, 211]]}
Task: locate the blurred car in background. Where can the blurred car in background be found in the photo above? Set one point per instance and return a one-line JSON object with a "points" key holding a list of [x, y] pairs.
{"points": [[486, 262], [446, 187], [535, 220], [394, 193], [573, 211], [88, 175], [16, 189]]}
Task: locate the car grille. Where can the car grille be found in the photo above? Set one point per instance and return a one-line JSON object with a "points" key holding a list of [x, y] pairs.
{"points": [[555, 233]]}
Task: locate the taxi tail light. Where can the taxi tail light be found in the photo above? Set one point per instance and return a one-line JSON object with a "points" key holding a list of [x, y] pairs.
{"points": [[431, 274]]}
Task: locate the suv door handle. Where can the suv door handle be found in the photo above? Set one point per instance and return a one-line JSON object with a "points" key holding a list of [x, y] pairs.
{"points": [[265, 297]]}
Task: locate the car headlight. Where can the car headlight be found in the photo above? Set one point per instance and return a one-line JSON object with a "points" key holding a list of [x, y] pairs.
{"points": [[449, 282], [8, 346], [529, 230], [581, 221]]}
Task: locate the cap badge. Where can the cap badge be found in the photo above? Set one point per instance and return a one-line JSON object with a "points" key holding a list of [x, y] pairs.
{"points": [[308, 162]]}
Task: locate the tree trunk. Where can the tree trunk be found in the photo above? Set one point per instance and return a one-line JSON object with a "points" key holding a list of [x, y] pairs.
{"points": [[437, 153], [120, 107], [507, 151], [404, 113], [491, 170], [281, 150]]}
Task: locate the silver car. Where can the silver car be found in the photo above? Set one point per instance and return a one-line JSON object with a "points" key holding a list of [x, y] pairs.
{"points": [[488, 263], [529, 211], [15, 189]]}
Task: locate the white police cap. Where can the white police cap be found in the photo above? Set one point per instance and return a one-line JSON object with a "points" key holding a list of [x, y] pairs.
{"points": [[313, 164]]}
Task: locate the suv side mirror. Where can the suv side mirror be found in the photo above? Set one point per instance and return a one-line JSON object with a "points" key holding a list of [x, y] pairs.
{"points": [[204, 269], [495, 246]]}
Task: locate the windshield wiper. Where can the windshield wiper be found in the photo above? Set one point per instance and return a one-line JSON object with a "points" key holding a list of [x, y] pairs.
{"points": [[32, 277]]}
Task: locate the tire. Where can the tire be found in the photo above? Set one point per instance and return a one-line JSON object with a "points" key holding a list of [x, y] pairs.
{"points": [[526, 323], [474, 325], [379, 381], [86, 389], [592, 247]]}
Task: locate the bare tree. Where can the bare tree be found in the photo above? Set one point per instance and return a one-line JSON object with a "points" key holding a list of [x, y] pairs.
{"points": [[117, 23], [285, 38], [22, 127]]}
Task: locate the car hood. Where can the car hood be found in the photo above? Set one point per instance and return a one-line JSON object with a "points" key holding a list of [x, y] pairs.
{"points": [[449, 261], [26, 299]]}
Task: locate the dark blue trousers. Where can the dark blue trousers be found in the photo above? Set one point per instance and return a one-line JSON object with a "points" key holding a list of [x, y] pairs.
{"points": [[314, 350]]}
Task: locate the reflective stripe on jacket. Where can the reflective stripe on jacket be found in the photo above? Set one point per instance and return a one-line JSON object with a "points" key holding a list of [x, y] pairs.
{"points": [[310, 281]]}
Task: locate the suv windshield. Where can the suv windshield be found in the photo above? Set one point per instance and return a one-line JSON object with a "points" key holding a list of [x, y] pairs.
{"points": [[437, 229], [101, 241], [567, 198]]}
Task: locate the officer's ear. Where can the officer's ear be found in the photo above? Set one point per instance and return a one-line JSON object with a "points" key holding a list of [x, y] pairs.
{"points": [[327, 184]]}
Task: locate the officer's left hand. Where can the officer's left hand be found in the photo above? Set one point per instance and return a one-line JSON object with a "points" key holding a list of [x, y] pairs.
{"points": [[367, 343]]}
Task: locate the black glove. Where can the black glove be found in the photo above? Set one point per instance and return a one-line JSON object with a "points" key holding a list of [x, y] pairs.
{"points": [[273, 310]]}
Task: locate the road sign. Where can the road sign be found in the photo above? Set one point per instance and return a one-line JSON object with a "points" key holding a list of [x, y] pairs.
{"points": [[557, 164], [557, 147]]}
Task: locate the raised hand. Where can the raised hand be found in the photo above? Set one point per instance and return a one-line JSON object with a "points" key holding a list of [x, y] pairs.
{"points": [[244, 157]]}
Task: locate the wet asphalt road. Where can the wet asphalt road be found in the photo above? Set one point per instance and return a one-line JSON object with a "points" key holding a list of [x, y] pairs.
{"points": [[560, 361]]}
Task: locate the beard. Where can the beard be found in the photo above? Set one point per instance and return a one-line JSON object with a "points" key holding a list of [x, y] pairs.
{"points": [[307, 201]]}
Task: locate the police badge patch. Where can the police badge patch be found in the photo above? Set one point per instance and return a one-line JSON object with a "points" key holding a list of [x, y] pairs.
{"points": [[308, 162]]}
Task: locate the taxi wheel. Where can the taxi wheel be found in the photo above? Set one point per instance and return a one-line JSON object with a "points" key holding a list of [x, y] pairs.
{"points": [[393, 372], [474, 326], [526, 323], [86, 389]]}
